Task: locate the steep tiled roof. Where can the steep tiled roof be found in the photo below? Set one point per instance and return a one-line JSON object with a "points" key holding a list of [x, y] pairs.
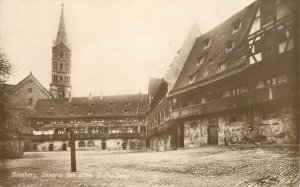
{"points": [[61, 33], [215, 60], [119, 105]]}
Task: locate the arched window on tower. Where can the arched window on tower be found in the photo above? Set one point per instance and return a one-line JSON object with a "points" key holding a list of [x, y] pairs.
{"points": [[61, 67]]}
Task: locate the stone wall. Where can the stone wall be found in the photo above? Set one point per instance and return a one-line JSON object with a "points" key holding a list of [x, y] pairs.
{"points": [[276, 127], [161, 142]]}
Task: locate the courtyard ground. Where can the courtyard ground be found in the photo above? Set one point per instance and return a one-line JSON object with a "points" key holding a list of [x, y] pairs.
{"points": [[205, 166]]}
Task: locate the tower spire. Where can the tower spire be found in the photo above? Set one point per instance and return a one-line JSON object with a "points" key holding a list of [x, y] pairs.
{"points": [[61, 33]]}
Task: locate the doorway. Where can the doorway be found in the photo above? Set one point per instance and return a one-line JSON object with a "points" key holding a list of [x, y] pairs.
{"points": [[50, 147], [213, 135], [64, 146]]}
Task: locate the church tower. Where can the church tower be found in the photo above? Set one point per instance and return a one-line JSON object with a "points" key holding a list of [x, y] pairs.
{"points": [[60, 86]]}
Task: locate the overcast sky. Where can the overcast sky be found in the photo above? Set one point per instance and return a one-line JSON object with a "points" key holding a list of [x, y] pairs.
{"points": [[117, 45]]}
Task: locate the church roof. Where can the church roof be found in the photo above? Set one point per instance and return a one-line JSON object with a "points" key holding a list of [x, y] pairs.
{"points": [[29, 78], [218, 53], [107, 106], [61, 36]]}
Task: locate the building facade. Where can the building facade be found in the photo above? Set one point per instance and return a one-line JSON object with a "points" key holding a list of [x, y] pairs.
{"points": [[103, 122], [20, 100], [238, 84]]}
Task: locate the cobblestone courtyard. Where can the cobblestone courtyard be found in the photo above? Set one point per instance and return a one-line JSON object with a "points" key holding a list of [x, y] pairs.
{"points": [[206, 166]]}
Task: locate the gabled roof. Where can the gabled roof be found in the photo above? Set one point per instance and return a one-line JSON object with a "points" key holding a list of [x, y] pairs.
{"points": [[61, 36], [29, 78], [108, 106], [175, 68], [216, 55]]}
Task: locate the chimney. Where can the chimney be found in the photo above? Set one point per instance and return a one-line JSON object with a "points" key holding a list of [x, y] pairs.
{"points": [[70, 98], [90, 96], [101, 95]]}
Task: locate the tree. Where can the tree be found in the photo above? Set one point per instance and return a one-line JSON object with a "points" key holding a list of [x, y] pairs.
{"points": [[5, 72], [5, 67]]}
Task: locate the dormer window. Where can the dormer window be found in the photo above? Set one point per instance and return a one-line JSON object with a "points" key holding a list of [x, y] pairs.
{"points": [[192, 79], [200, 61], [90, 112], [229, 46], [206, 43], [92, 105], [236, 26], [211, 59], [221, 67]]}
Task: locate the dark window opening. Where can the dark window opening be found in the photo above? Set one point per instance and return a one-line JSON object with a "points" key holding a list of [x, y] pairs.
{"points": [[236, 26], [81, 144], [30, 90], [184, 102], [91, 143], [200, 61], [206, 42]]}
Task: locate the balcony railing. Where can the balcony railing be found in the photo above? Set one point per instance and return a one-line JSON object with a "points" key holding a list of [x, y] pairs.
{"points": [[89, 136], [241, 100]]}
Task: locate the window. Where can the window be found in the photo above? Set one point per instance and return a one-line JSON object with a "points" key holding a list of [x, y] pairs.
{"points": [[30, 90], [236, 27], [81, 144], [128, 104], [203, 100], [125, 110], [211, 59], [61, 94], [206, 43], [61, 55], [107, 111], [200, 61], [256, 26], [30, 101], [90, 112], [184, 102], [192, 79], [109, 104], [226, 93], [221, 67], [75, 106], [91, 143], [51, 107], [229, 46], [175, 103], [92, 105]]}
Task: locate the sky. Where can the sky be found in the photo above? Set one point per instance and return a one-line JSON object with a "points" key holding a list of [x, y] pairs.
{"points": [[117, 45]]}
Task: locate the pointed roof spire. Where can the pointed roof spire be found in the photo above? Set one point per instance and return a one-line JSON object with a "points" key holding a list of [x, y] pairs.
{"points": [[61, 33]]}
